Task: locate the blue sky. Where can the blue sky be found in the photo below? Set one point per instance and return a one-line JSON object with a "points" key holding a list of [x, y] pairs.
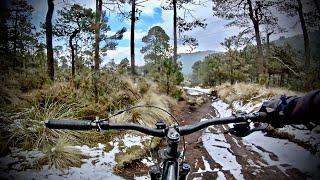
{"points": [[152, 14]]}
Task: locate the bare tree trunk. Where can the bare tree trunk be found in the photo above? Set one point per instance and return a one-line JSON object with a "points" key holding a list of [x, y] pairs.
{"points": [[3, 26], [316, 2], [15, 38], [96, 47], [50, 62], [73, 35], [97, 35], [175, 44], [307, 50], [255, 21], [268, 44], [231, 67], [133, 21], [168, 84]]}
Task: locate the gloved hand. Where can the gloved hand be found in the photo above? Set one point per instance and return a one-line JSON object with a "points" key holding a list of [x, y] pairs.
{"points": [[274, 109]]}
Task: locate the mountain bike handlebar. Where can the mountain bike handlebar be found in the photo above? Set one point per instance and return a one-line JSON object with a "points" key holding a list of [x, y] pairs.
{"points": [[103, 125], [255, 117], [172, 168], [183, 130]]}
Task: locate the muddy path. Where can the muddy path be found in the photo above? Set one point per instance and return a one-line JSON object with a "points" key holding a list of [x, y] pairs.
{"points": [[195, 152], [250, 163], [203, 166]]}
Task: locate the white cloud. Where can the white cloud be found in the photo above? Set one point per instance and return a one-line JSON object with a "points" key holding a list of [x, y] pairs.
{"points": [[147, 8], [138, 35]]}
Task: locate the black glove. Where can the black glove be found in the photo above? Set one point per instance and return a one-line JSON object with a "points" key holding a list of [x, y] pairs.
{"points": [[275, 111]]}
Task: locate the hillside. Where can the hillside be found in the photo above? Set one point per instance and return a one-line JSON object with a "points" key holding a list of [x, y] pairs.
{"points": [[297, 43], [188, 59]]}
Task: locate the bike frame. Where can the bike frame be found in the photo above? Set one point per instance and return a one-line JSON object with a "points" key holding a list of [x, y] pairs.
{"points": [[170, 157]]}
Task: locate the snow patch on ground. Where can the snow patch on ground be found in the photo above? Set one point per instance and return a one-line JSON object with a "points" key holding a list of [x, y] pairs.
{"points": [[313, 137], [221, 176], [130, 140], [142, 177], [219, 150], [99, 166], [207, 167], [148, 162], [288, 153], [19, 158], [222, 109], [196, 91], [248, 107]]}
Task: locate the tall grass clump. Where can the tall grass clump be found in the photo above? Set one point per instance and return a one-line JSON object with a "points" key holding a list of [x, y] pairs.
{"points": [[148, 116], [62, 155], [62, 100], [28, 129], [248, 92]]}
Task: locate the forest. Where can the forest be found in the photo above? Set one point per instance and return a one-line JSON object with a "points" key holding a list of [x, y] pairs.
{"points": [[61, 67]]}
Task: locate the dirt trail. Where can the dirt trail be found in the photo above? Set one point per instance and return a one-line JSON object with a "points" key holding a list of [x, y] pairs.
{"points": [[194, 150], [253, 166]]}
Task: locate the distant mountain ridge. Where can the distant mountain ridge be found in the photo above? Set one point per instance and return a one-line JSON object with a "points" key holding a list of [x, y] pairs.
{"points": [[297, 43], [188, 59]]}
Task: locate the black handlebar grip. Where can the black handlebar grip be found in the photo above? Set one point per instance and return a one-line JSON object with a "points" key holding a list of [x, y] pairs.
{"points": [[68, 124]]}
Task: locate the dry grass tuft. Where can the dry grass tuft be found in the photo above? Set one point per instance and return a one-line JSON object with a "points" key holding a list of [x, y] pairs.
{"points": [[149, 116], [64, 101], [132, 154], [61, 155], [249, 92]]}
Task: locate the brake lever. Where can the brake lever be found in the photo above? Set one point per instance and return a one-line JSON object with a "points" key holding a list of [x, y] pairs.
{"points": [[240, 129], [243, 129]]}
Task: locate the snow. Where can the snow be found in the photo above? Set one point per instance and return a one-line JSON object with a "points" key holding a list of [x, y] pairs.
{"points": [[219, 150], [217, 145], [196, 91], [312, 137], [18, 158], [148, 162], [142, 177], [130, 140], [288, 153], [99, 165], [221, 108], [251, 163], [248, 108], [207, 167], [102, 169], [221, 176]]}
